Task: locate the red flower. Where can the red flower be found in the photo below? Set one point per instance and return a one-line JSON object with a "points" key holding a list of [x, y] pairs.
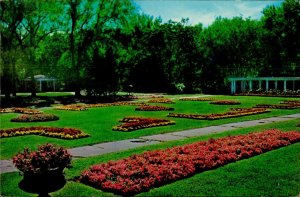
{"points": [[153, 168]]}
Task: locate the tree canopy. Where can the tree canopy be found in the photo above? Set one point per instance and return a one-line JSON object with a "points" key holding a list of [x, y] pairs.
{"points": [[107, 46]]}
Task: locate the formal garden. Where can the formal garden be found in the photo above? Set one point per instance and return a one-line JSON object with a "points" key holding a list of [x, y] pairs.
{"points": [[102, 98], [248, 157]]}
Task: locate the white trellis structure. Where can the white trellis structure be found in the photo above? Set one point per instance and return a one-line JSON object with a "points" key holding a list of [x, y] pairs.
{"points": [[250, 83], [40, 79]]}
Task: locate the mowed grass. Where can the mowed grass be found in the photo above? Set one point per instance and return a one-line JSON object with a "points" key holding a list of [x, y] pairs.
{"points": [[98, 122], [275, 173]]}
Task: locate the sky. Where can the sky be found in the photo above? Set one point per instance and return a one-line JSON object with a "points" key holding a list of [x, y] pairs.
{"points": [[203, 11]]}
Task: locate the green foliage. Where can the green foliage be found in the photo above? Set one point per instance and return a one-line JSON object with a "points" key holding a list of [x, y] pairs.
{"points": [[106, 46]]}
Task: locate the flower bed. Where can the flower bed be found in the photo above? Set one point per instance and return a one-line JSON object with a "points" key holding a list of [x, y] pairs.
{"points": [[225, 102], [291, 102], [134, 123], [161, 100], [151, 169], [279, 106], [196, 99], [64, 133], [233, 113], [72, 107], [7, 110], [115, 104], [35, 118], [154, 108], [82, 107], [20, 110]]}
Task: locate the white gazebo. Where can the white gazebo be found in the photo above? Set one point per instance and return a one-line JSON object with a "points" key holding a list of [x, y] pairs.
{"points": [[40, 79], [249, 83]]}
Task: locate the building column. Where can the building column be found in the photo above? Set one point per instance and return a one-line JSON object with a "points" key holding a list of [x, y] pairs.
{"points": [[293, 85], [250, 85], [267, 85], [40, 85], [284, 85], [54, 85], [275, 85], [259, 84]]}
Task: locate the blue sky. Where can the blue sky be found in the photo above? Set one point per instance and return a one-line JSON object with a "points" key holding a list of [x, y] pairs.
{"points": [[201, 11]]}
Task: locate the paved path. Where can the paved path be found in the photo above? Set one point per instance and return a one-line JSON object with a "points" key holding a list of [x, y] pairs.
{"points": [[109, 147]]}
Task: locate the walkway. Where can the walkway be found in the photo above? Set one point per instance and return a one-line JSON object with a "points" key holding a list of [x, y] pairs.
{"points": [[110, 147]]}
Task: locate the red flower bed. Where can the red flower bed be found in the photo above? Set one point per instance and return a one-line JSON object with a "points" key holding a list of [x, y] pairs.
{"points": [[134, 123], [233, 113], [155, 168], [154, 108], [196, 99], [35, 118], [161, 100], [20, 110], [225, 102], [65, 133]]}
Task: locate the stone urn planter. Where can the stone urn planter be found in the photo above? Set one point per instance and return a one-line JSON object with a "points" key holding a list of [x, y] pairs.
{"points": [[42, 170]]}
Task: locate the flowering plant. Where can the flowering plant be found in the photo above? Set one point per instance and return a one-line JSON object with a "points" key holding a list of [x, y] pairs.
{"points": [[35, 118], [161, 100], [196, 99], [64, 133], [225, 102], [150, 169], [234, 112], [134, 123], [154, 108], [46, 158]]}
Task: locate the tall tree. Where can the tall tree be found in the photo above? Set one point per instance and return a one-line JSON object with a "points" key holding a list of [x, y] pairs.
{"points": [[11, 16]]}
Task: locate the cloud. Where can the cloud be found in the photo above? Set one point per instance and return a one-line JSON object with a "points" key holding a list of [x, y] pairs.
{"points": [[203, 12]]}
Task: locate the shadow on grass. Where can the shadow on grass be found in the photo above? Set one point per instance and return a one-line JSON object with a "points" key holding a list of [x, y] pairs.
{"points": [[42, 184]]}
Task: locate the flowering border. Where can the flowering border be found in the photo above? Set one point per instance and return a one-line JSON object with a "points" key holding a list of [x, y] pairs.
{"points": [[64, 133], [83, 107], [225, 102], [20, 110], [154, 108], [196, 99], [151, 169], [161, 100], [35, 118], [235, 112], [135, 123], [278, 106]]}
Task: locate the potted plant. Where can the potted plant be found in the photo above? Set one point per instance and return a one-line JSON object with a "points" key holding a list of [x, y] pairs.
{"points": [[43, 169]]}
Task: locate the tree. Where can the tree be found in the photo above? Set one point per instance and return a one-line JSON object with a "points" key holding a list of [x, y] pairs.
{"points": [[231, 48], [281, 38], [11, 16]]}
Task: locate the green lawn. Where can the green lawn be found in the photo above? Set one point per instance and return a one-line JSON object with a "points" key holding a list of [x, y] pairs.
{"points": [[98, 122], [275, 173]]}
